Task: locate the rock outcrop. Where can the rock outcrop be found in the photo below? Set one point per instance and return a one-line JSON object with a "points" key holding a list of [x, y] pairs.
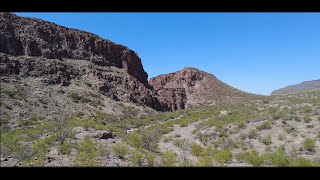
{"points": [[298, 88], [31, 47], [191, 87]]}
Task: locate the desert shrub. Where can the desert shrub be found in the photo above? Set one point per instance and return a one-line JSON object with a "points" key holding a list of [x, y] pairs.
{"points": [[251, 157], [184, 123], [4, 119], [268, 148], [87, 154], [289, 129], [16, 102], [19, 94], [150, 158], [150, 139], [309, 144], [76, 97], [196, 150], [301, 162], [168, 158], [265, 125], [61, 129], [281, 137], [180, 142], [307, 119], [278, 158], [266, 140], [243, 136], [24, 153], [277, 115], [242, 125], [65, 148], [222, 156], [306, 109], [135, 140], [253, 134], [136, 158], [205, 161], [120, 149], [167, 138]]}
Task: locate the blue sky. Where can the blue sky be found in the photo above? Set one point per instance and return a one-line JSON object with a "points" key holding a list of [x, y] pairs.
{"points": [[254, 52]]}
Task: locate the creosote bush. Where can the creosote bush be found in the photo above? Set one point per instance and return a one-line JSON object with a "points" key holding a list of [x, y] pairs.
{"points": [[120, 149], [309, 144]]}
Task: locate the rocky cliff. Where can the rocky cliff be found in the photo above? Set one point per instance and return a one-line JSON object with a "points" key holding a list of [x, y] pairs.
{"points": [[191, 87], [57, 55]]}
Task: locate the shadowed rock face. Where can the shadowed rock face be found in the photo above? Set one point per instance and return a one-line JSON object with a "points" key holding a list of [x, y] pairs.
{"points": [[298, 88], [191, 87], [33, 37], [35, 48]]}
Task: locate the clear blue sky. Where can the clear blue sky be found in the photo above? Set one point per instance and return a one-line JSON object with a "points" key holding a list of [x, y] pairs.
{"points": [[255, 52]]}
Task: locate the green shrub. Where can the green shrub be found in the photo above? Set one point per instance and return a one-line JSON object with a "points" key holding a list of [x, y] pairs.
{"points": [[150, 139], [268, 148], [307, 119], [167, 138], [266, 140], [136, 158], [222, 156], [120, 149], [65, 148], [277, 115], [251, 157], [76, 97], [242, 125], [253, 134], [4, 119], [309, 144], [278, 158], [150, 158], [196, 150], [205, 161], [289, 129], [23, 153], [87, 154], [264, 126], [16, 102], [62, 129], [306, 109], [135, 140], [301, 162], [169, 158]]}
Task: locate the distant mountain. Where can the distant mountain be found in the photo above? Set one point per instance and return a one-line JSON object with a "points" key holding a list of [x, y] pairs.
{"points": [[191, 87], [298, 88]]}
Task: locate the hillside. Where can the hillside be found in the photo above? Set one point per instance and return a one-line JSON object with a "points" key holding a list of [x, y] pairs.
{"points": [[49, 69], [191, 87], [298, 88]]}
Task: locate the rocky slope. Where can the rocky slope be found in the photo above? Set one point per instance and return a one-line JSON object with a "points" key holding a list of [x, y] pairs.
{"points": [[298, 88], [49, 68], [191, 87]]}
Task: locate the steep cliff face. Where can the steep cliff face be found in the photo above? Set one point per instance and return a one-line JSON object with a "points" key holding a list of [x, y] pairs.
{"points": [[191, 87], [33, 37], [57, 55]]}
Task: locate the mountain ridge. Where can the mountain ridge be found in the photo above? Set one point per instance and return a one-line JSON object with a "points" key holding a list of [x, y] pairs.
{"points": [[298, 88]]}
